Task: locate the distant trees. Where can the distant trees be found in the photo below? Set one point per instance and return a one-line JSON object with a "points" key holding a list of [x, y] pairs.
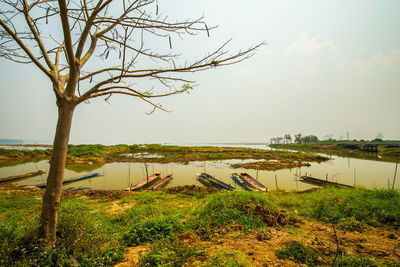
{"points": [[288, 138], [298, 138]]}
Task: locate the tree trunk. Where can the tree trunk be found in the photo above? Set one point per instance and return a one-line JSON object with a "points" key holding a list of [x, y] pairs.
{"points": [[52, 194]]}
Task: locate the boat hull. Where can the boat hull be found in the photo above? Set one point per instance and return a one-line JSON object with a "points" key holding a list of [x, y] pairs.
{"points": [[253, 182], [239, 179]]}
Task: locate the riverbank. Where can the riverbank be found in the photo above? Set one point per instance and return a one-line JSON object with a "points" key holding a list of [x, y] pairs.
{"points": [[347, 149], [154, 153], [191, 226]]}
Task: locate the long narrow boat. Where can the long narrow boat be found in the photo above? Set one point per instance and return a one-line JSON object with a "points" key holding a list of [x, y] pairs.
{"points": [[253, 182], [22, 176], [87, 176], [204, 180], [215, 182], [320, 182], [239, 179], [145, 182], [161, 183]]}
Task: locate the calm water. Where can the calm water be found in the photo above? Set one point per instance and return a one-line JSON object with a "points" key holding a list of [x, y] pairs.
{"points": [[371, 174]]}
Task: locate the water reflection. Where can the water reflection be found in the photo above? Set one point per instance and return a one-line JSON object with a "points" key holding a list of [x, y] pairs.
{"points": [[117, 176]]}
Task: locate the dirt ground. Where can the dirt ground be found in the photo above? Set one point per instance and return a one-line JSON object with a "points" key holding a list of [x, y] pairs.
{"points": [[259, 248]]}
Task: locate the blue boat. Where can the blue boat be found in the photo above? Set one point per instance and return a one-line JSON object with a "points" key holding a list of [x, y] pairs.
{"points": [[204, 181], [215, 182], [87, 176], [239, 179]]}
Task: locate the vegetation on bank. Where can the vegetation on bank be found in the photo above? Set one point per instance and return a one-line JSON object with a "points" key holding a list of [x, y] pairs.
{"points": [[203, 228], [179, 154], [346, 149]]}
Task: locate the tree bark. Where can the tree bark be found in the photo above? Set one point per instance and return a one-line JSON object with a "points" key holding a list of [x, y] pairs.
{"points": [[52, 194]]}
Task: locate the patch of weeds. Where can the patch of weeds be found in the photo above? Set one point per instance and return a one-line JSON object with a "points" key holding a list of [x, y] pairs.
{"points": [[152, 229], [226, 258], [347, 260], [224, 209], [351, 225], [298, 253], [171, 254], [136, 214], [391, 262], [375, 207]]}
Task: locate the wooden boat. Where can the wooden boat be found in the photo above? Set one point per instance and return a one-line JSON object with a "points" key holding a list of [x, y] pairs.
{"points": [[253, 182], [239, 179], [204, 180], [145, 182], [22, 176], [161, 183], [87, 176], [321, 182], [215, 182]]}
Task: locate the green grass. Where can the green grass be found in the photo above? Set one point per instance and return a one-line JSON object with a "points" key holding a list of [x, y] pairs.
{"points": [[361, 206], [355, 261], [298, 253], [91, 233], [224, 209], [19, 153]]}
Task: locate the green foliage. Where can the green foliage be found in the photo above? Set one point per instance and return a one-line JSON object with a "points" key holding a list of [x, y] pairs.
{"points": [[171, 254], [226, 258], [87, 150], [152, 229], [351, 225], [298, 253], [355, 261], [224, 209], [359, 207], [19, 153]]}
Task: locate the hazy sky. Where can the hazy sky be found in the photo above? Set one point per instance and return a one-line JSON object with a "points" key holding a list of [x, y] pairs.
{"points": [[329, 67]]}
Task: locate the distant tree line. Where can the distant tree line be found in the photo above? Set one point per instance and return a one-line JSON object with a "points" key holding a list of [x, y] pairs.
{"points": [[307, 139], [298, 138]]}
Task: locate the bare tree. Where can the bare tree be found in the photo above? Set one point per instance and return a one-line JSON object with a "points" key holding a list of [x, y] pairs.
{"points": [[298, 138], [63, 38], [288, 138]]}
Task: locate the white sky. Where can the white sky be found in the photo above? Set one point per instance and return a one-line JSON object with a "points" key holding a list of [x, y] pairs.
{"points": [[329, 67]]}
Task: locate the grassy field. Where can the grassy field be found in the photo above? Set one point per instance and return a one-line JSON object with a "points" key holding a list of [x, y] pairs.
{"points": [[191, 226], [83, 154]]}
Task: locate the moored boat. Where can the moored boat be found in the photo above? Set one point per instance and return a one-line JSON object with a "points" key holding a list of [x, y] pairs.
{"points": [[161, 183], [72, 180], [22, 176], [204, 180], [145, 182], [253, 182], [215, 182], [239, 179], [320, 182]]}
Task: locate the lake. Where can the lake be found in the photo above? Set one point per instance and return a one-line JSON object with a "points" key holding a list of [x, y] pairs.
{"points": [[117, 176]]}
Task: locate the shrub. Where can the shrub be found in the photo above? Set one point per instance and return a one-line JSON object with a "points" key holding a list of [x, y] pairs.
{"points": [[344, 260], [151, 230], [224, 209], [298, 253], [171, 254]]}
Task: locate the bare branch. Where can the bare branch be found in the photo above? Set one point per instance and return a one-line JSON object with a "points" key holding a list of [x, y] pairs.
{"points": [[25, 49]]}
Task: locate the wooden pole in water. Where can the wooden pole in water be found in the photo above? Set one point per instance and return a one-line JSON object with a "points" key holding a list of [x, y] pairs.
{"points": [[395, 173], [354, 176], [388, 183], [147, 174], [257, 175], [326, 177], [276, 182]]}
